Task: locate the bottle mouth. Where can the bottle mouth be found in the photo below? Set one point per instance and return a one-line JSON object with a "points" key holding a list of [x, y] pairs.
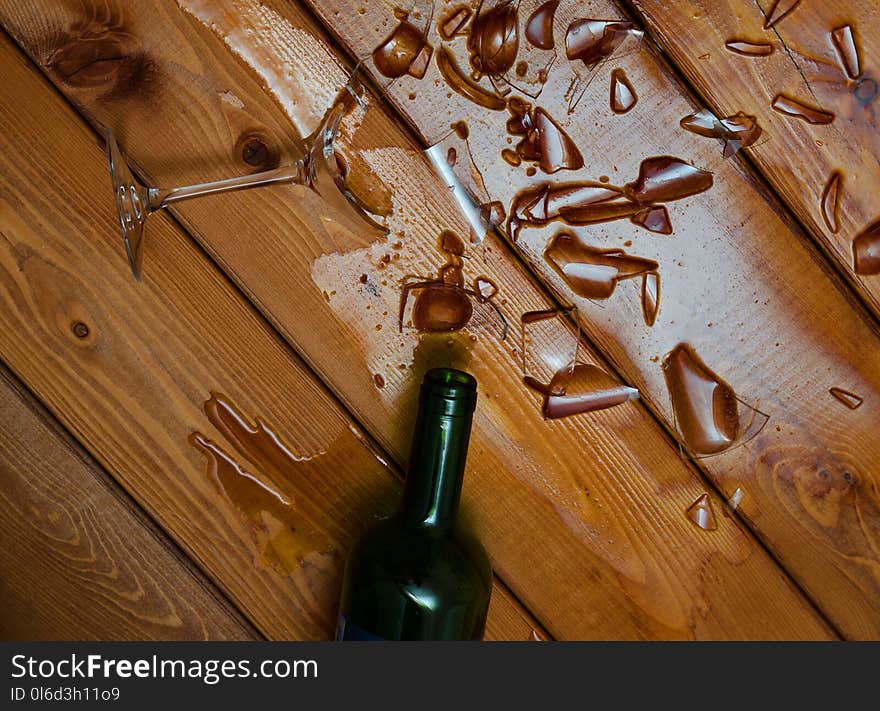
{"points": [[455, 388]]}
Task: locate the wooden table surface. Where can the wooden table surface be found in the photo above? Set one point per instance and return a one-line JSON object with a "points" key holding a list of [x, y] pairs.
{"points": [[189, 456]]}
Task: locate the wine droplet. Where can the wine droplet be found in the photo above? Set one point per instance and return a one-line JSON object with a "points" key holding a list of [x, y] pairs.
{"points": [[749, 49], [623, 96], [850, 399], [830, 202], [792, 107], [650, 297], [845, 44], [705, 407]]}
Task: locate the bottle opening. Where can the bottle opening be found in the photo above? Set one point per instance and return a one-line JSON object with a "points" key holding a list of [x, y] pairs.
{"points": [[457, 388]]}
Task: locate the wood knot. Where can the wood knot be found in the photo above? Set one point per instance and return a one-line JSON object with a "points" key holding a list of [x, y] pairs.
{"points": [[256, 150], [80, 329]]}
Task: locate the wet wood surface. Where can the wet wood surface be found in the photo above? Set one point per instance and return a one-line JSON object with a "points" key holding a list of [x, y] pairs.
{"points": [[128, 369], [77, 561], [585, 518], [741, 285]]}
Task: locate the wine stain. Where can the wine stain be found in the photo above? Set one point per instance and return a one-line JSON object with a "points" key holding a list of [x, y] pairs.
{"points": [[845, 44], [780, 9], [98, 53], [579, 389], [623, 96], [462, 85], [866, 250], [593, 41], [539, 26], [591, 272], [445, 304], [705, 407], [737, 131], [661, 179], [493, 40], [257, 489], [453, 22], [831, 202], [848, 398], [405, 51], [543, 140], [700, 513], [749, 49], [792, 107]]}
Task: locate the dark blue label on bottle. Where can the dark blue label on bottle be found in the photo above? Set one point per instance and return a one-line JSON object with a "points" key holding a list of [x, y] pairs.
{"points": [[346, 630]]}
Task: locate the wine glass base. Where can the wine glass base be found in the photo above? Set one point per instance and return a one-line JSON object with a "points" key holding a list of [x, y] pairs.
{"points": [[132, 203]]}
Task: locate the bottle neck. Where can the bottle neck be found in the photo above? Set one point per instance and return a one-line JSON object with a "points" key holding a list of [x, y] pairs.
{"points": [[436, 468]]}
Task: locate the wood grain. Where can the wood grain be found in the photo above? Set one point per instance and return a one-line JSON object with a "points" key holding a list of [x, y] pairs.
{"points": [[127, 368], [584, 519], [78, 561], [739, 284], [797, 158]]}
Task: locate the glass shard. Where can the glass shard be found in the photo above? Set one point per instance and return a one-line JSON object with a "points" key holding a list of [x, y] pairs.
{"points": [[539, 26], [623, 96], [584, 388], [700, 513], [831, 202], [866, 250], [735, 499], [549, 342], [737, 131], [592, 41], [792, 107], [850, 399]]}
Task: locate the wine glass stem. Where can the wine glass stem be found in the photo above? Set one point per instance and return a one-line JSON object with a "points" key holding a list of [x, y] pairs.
{"points": [[293, 173]]}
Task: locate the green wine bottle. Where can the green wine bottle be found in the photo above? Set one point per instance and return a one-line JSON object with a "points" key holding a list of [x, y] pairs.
{"points": [[416, 576]]}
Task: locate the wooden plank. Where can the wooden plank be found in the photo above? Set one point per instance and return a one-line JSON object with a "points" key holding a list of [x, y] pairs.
{"points": [[741, 286], [78, 561], [128, 368], [584, 519], [798, 158]]}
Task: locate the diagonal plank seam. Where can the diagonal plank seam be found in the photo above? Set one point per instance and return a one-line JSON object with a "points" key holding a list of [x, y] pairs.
{"points": [[72, 444], [259, 311], [341, 47]]}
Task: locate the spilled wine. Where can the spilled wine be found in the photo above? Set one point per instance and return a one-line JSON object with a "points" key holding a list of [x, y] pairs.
{"points": [[416, 576]]}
